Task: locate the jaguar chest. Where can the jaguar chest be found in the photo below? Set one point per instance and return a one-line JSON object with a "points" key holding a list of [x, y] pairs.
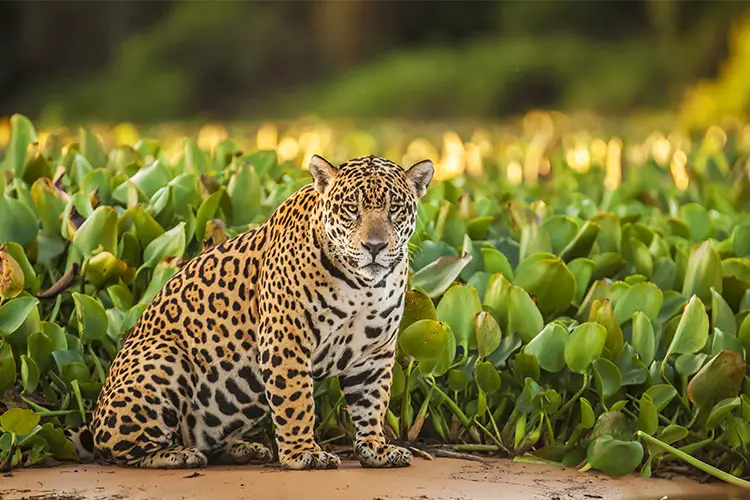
{"points": [[352, 325]]}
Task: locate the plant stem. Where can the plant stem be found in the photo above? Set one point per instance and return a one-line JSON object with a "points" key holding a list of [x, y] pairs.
{"points": [[566, 407], [452, 406], [718, 473]]}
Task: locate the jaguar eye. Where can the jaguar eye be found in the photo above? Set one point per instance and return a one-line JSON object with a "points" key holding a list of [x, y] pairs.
{"points": [[350, 209], [395, 209]]}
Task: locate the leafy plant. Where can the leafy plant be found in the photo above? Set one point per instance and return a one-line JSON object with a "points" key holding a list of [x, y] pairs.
{"points": [[563, 322]]}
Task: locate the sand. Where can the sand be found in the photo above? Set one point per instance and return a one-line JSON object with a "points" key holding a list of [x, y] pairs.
{"points": [[440, 479]]}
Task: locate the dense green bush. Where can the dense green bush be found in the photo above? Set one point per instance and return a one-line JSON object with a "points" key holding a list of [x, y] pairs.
{"points": [[563, 323]]}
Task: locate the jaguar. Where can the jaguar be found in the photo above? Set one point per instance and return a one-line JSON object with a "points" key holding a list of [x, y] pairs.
{"points": [[247, 326]]}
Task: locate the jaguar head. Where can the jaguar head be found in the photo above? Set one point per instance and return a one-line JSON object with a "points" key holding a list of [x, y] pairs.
{"points": [[370, 210]]}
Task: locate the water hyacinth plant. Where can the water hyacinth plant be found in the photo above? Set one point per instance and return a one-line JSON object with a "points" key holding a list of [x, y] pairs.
{"points": [[561, 320]]}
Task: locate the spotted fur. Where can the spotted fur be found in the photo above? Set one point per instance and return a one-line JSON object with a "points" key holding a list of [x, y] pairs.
{"points": [[246, 326]]}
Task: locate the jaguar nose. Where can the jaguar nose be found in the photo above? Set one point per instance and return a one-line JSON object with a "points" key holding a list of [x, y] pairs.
{"points": [[374, 247]]}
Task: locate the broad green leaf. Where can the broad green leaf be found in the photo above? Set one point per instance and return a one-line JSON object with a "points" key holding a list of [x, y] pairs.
{"points": [[14, 312], [602, 313], [720, 378], [534, 239], [162, 274], [551, 282], [92, 320], [741, 240], [98, 232], [424, 340], [644, 340], [417, 305], [561, 229], [697, 220], [703, 272], [244, 190], [722, 341], [613, 456], [497, 296], [458, 380], [435, 278], [689, 364], [17, 222], [583, 270], [721, 411], [549, 347], [457, 308], [692, 330], [92, 149], [7, 367], [496, 262], [585, 344], [169, 244], [581, 245], [524, 317], [645, 297], [450, 227], [648, 416], [487, 377], [19, 421], [606, 377], [18, 254], [22, 134], [29, 374], [487, 332], [661, 395], [722, 316]]}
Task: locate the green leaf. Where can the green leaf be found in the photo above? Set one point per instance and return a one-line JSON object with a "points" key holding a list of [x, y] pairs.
{"points": [[648, 416], [458, 380], [424, 340], [720, 378], [60, 446], [417, 305], [644, 340], [487, 332], [29, 374], [692, 330], [549, 347], [523, 316], [92, 320], [583, 270], [741, 240], [7, 367], [582, 243], [488, 378], [207, 211], [606, 377], [169, 244], [661, 395], [588, 419], [602, 313], [585, 344], [550, 281], [722, 316], [17, 222], [645, 297], [689, 364], [244, 190], [703, 272], [534, 239], [496, 262], [22, 134], [613, 456], [98, 232], [435, 278], [721, 411], [19, 421], [497, 296], [458, 307], [14, 312]]}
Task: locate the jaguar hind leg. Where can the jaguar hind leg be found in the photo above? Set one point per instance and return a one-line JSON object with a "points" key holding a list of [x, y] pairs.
{"points": [[242, 453], [176, 457]]}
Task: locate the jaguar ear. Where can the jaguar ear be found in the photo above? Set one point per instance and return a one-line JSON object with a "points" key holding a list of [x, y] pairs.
{"points": [[322, 172], [420, 175]]}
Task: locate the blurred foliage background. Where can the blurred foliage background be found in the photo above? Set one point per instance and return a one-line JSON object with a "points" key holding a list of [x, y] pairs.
{"points": [[148, 62]]}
